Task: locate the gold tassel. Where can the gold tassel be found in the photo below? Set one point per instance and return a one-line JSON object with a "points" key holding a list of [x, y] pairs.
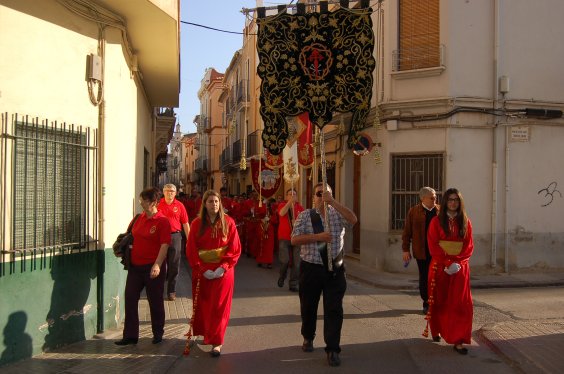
{"points": [[191, 327]]}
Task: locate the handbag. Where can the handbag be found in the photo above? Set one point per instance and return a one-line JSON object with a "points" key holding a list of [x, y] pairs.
{"points": [[124, 242]]}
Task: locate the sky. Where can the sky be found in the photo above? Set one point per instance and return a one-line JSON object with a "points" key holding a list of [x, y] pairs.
{"points": [[201, 48]]}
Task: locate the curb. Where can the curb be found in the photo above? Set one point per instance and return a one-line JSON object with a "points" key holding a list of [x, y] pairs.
{"points": [[505, 350]]}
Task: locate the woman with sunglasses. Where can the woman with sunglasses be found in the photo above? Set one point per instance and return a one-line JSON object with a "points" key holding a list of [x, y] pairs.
{"points": [[450, 300]]}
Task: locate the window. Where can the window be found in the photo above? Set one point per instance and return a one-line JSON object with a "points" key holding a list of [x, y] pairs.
{"points": [[419, 35], [409, 174], [49, 186]]}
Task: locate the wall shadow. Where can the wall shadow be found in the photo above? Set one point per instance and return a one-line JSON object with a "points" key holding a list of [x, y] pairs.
{"points": [[17, 342], [72, 275]]}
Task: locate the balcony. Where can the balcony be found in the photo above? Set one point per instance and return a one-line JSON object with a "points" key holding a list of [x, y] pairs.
{"points": [[236, 151], [253, 144], [242, 91], [226, 158], [201, 164]]}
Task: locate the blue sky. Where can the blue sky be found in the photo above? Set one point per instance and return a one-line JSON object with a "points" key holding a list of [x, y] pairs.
{"points": [[201, 48]]}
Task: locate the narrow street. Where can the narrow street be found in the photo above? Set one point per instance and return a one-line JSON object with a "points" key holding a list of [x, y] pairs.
{"points": [[381, 333]]}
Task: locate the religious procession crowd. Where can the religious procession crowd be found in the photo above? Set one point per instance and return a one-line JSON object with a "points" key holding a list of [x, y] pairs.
{"points": [[215, 229]]}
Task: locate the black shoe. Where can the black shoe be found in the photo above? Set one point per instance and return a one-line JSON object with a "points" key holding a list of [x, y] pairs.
{"points": [[436, 338], [307, 346], [461, 350], [333, 359], [294, 289], [216, 351], [280, 282], [126, 341], [425, 309], [157, 339]]}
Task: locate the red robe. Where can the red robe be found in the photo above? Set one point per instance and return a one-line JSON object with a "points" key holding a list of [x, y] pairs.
{"points": [[253, 216], [212, 297], [266, 243], [450, 301]]}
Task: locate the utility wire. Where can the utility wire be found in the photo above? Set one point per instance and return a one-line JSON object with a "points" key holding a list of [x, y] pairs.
{"points": [[211, 28]]}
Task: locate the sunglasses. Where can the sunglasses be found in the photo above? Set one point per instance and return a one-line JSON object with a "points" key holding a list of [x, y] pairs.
{"points": [[319, 193]]}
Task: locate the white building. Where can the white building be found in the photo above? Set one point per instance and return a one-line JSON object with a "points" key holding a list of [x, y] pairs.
{"points": [[470, 95]]}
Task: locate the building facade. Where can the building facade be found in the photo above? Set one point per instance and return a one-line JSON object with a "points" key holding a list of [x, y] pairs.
{"points": [[86, 102]]}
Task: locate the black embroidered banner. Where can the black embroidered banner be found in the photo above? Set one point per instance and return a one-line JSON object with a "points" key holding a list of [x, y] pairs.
{"points": [[319, 63]]}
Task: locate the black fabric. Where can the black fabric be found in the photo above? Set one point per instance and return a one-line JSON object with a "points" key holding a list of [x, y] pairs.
{"points": [[314, 281], [124, 242], [317, 225], [320, 63]]}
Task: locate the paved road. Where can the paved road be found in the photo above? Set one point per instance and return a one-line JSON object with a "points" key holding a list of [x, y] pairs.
{"points": [[381, 333]]}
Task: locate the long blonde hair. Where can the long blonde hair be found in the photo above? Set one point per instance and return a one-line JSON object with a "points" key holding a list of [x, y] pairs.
{"points": [[203, 214]]}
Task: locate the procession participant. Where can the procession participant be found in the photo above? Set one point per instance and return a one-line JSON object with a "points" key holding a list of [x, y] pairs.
{"points": [[315, 275], [175, 211], [288, 254], [213, 250], [266, 239], [226, 201], [147, 270], [450, 300], [254, 213], [415, 234]]}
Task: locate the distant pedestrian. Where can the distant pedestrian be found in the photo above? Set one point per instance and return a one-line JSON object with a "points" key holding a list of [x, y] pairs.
{"points": [[315, 276], [450, 300], [175, 211], [151, 233], [213, 250], [415, 234], [288, 254]]}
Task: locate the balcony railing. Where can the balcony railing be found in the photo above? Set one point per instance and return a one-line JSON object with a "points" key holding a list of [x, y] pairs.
{"points": [[202, 164], [237, 151], [242, 91], [226, 157], [252, 144], [418, 58]]}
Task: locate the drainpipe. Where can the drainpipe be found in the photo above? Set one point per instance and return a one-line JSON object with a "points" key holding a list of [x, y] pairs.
{"points": [[493, 259], [101, 193]]}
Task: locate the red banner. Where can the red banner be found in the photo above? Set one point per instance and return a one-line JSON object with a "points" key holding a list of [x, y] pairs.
{"points": [[273, 161], [269, 180], [305, 140]]}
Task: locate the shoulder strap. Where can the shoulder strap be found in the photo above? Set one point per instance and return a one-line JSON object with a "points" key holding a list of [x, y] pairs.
{"points": [[130, 227], [316, 222]]}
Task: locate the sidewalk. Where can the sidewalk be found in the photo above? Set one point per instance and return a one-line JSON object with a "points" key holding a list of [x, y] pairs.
{"points": [[529, 346]]}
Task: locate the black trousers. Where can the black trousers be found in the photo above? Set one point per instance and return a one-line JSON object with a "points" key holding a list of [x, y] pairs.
{"points": [[423, 266], [173, 261], [138, 277], [314, 281]]}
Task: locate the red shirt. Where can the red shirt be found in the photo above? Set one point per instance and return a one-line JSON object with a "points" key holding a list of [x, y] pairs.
{"points": [[175, 212], [284, 227], [148, 236]]}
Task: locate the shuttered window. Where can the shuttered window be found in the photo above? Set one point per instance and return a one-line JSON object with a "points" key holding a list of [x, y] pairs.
{"points": [[419, 34]]}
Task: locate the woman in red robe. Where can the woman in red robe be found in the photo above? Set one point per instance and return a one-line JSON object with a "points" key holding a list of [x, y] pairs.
{"points": [[450, 300], [212, 248]]}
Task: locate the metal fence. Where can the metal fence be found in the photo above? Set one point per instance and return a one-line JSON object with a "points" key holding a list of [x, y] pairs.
{"points": [[409, 174], [49, 186]]}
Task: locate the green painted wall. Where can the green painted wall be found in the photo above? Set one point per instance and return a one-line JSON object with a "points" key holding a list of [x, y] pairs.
{"points": [[51, 301]]}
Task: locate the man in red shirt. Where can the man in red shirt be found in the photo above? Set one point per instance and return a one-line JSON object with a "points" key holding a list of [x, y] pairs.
{"points": [[289, 255], [178, 218]]}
